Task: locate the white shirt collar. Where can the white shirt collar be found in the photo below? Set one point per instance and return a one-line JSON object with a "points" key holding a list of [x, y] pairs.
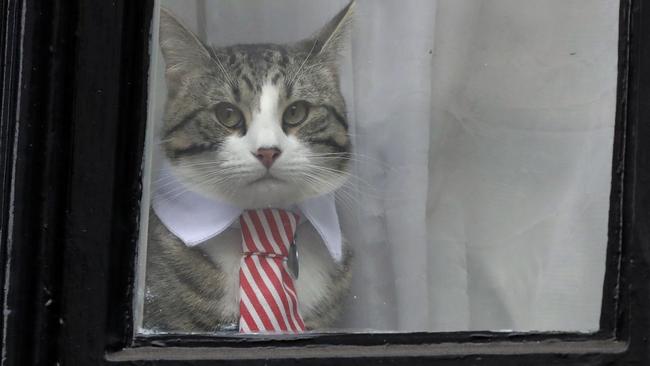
{"points": [[195, 218]]}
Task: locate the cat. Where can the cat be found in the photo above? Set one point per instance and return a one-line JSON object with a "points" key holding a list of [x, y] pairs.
{"points": [[267, 124]]}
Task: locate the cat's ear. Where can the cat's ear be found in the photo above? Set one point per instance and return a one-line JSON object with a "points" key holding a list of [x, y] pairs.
{"points": [[330, 40], [182, 50]]}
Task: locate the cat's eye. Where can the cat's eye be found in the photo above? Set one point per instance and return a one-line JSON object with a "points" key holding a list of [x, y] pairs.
{"points": [[296, 113], [229, 115]]}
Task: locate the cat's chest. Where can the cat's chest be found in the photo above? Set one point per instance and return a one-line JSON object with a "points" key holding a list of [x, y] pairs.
{"points": [[316, 267]]}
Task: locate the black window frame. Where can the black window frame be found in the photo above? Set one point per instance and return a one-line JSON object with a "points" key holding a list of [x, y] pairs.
{"points": [[72, 127]]}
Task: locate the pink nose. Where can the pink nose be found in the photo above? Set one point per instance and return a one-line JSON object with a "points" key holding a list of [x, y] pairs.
{"points": [[267, 155]]}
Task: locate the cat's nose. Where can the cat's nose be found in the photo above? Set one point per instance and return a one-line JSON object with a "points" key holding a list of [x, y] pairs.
{"points": [[267, 155]]}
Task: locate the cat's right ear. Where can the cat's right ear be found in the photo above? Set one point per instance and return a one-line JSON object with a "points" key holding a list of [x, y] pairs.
{"points": [[182, 50], [330, 40]]}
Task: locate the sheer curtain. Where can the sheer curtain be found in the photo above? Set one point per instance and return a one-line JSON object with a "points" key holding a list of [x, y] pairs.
{"points": [[483, 136]]}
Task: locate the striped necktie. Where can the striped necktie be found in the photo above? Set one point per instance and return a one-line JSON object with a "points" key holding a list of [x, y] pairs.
{"points": [[268, 301]]}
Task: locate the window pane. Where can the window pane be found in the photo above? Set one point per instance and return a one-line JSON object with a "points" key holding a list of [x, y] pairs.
{"points": [[465, 158]]}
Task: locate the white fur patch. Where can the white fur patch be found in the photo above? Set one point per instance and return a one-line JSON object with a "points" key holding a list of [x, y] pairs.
{"points": [[265, 129]]}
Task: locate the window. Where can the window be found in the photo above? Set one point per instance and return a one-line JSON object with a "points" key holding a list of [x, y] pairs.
{"points": [[471, 176], [72, 202]]}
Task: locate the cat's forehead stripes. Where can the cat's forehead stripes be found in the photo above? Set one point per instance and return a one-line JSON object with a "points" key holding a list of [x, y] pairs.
{"points": [[252, 65]]}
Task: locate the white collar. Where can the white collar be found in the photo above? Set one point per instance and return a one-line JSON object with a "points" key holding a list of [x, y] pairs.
{"points": [[195, 218]]}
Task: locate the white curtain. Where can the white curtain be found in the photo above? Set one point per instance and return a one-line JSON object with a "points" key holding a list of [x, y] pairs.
{"points": [[483, 134]]}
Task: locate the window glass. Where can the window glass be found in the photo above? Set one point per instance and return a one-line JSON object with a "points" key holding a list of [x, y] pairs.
{"points": [[446, 165]]}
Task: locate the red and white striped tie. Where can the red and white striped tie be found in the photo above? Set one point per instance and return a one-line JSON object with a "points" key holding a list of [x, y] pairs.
{"points": [[268, 300]]}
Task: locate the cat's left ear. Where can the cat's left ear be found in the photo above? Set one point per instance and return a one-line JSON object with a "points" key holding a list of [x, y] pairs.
{"points": [[330, 40]]}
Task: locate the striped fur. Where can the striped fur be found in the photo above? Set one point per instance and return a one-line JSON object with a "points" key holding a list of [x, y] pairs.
{"points": [[315, 153], [195, 290]]}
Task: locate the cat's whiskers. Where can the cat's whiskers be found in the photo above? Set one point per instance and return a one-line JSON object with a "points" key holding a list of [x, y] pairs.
{"points": [[177, 190], [317, 183], [353, 181], [201, 164], [196, 174], [208, 180], [189, 174], [229, 178], [309, 68], [344, 173], [352, 156], [215, 57], [358, 161], [348, 196], [297, 73]]}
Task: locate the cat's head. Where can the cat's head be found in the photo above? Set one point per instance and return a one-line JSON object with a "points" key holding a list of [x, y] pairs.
{"points": [[257, 124]]}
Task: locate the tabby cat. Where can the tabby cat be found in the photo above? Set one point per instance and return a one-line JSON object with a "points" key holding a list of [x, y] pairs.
{"points": [[224, 106]]}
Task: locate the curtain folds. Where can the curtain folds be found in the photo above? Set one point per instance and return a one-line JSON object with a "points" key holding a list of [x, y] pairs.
{"points": [[483, 134]]}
